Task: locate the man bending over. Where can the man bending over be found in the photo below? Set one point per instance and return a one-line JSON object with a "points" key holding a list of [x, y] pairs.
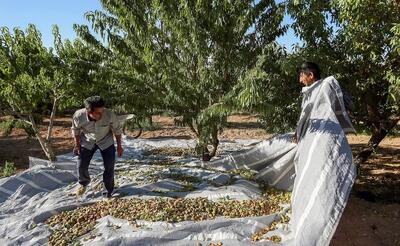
{"points": [[93, 128]]}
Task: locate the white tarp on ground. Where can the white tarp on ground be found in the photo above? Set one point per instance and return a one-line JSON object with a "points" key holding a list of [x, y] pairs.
{"points": [[319, 169], [29, 198]]}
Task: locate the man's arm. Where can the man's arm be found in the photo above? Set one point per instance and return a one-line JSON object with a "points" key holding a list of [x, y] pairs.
{"points": [[76, 133], [116, 128], [120, 150], [77, 145]]}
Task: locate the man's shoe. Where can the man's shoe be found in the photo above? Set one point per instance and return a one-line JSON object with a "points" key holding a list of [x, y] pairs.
{"points": [[81, 190], [107, 195]]}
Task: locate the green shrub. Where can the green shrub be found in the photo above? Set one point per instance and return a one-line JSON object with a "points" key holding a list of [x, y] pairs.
{"points": [[8, 170]]}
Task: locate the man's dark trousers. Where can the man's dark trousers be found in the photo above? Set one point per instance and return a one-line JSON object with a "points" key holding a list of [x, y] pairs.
{"points": [[84, 158]]}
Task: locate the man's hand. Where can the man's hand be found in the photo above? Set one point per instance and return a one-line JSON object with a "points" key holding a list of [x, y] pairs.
{"points": [[77, 150], [120, 150], [77, 146]]}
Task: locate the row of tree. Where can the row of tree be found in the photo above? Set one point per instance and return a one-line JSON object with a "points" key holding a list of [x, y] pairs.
{"points": [[202, 60]]}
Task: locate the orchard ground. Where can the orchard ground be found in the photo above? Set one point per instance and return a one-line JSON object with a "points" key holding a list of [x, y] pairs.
{"points": [[372, 215]]}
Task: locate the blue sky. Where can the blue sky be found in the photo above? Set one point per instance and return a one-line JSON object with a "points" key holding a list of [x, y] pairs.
{"points": [[45, 13]]}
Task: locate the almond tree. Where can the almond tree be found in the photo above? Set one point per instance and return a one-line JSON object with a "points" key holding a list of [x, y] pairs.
{"points": [[195, 59], [32, 80], [358, 42]]}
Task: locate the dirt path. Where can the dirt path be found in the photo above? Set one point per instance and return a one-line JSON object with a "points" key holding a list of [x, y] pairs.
{"points": [[372, 216], [368, 224]]}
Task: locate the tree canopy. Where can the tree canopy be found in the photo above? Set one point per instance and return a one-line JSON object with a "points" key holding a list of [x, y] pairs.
{"points": [[201, 61]]}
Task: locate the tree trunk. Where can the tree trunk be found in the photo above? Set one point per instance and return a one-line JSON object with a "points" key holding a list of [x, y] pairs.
{"points": [[46, 146], [51, 121], [379, 133], [191, 126], [206, 155], [215, 142]]}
